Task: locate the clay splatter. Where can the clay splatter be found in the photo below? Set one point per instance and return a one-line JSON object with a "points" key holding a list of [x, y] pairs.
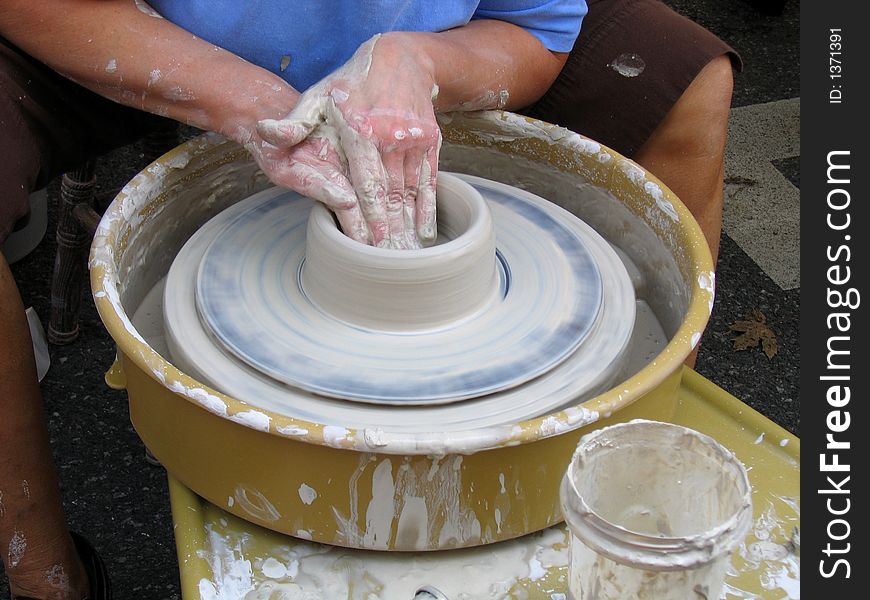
{"points": [[628, 64], [17, 548], [307, 494]]}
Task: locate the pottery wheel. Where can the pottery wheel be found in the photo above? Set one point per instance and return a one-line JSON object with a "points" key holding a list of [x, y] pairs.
{"points": [[561, 310]]}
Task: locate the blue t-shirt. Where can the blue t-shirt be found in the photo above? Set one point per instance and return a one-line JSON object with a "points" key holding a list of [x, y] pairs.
{"points": [[304, 41]]}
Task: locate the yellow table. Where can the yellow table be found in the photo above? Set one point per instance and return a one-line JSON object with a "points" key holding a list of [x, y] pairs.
{"points": [[222, 557]]}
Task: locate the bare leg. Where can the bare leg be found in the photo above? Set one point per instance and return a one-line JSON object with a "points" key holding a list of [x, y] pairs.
{"points": [[35, 546], [687, 150]]}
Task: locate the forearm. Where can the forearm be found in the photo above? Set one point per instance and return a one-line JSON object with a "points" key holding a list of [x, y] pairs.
{"points": [[485, 64], [117, 50]]}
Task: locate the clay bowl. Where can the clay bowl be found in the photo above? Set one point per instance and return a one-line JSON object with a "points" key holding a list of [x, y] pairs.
{"points": [[368, 488]]}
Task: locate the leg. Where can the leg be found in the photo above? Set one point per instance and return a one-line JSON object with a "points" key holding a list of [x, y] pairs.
{"points": [[38, 553], [669, 113], [686, 151], [35, 547], [48, 125]]}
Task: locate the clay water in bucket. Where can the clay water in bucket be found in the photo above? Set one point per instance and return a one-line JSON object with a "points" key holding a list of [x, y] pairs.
{"points": [[653, 511]]}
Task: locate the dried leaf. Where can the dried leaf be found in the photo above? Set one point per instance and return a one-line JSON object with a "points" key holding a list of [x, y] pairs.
{"points": [[754, 331], [769, 346]]}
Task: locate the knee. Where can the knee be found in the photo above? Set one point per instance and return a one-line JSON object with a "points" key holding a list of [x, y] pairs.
{"points": [[697, 125], [708, 97], [718, 79]]}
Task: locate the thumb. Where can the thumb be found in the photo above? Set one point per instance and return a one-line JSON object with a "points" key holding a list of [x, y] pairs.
{"points": [[296, 126]]}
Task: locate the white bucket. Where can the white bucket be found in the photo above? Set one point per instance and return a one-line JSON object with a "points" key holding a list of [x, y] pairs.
{"points": [[654, 511]]}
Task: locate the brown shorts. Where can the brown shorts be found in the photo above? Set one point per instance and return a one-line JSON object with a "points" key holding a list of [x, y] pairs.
{"points": [[630, 64]]}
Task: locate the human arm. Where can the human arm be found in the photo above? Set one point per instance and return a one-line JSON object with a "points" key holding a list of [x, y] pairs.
{"points": [[121, 52]]}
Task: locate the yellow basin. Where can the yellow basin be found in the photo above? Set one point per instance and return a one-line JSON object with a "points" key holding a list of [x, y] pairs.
{"points": [[349, 487]]}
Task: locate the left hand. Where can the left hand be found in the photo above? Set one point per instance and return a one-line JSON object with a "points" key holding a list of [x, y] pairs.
{"points": [[364, 141]]}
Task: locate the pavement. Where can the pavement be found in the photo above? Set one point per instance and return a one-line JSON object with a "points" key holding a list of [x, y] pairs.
{"points": [[120, 501]]}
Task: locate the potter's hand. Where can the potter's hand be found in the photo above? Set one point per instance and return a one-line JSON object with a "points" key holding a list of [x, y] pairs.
{"points": [[364, 141]]}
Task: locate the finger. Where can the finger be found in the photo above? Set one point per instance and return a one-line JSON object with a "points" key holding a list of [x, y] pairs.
{"points": [[284, 133], [368, 180], [394, 169], [413, 167], [332, 189], [427, 227], [308, 113]]}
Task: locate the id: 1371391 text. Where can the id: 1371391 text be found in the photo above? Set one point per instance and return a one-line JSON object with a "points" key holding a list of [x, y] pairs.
{"points": [[835, 65]]}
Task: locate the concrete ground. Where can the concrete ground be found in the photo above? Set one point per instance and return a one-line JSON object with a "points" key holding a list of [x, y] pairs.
{"points": [[120, 501]]}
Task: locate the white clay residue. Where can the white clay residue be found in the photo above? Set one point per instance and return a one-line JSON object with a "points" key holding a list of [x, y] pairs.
{"points": [[253, 419], [423, 502], [379, 514], [208, 400], [375, 437], [335, 436], [771, 553], [154, 77], [178, 93], [628, 64], [255, 504], [634, 173], [17, 548], [707, 282], [146, 8], [655, 191], [292, 430], [273, 568], [413, 527], [307, 494], [554, 424], [493, 127], [232, 574], [300, 570], [57, 578]]}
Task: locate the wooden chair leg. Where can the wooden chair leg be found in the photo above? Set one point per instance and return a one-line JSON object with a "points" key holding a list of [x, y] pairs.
{"points": [[77, 222], [70, 262]]}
